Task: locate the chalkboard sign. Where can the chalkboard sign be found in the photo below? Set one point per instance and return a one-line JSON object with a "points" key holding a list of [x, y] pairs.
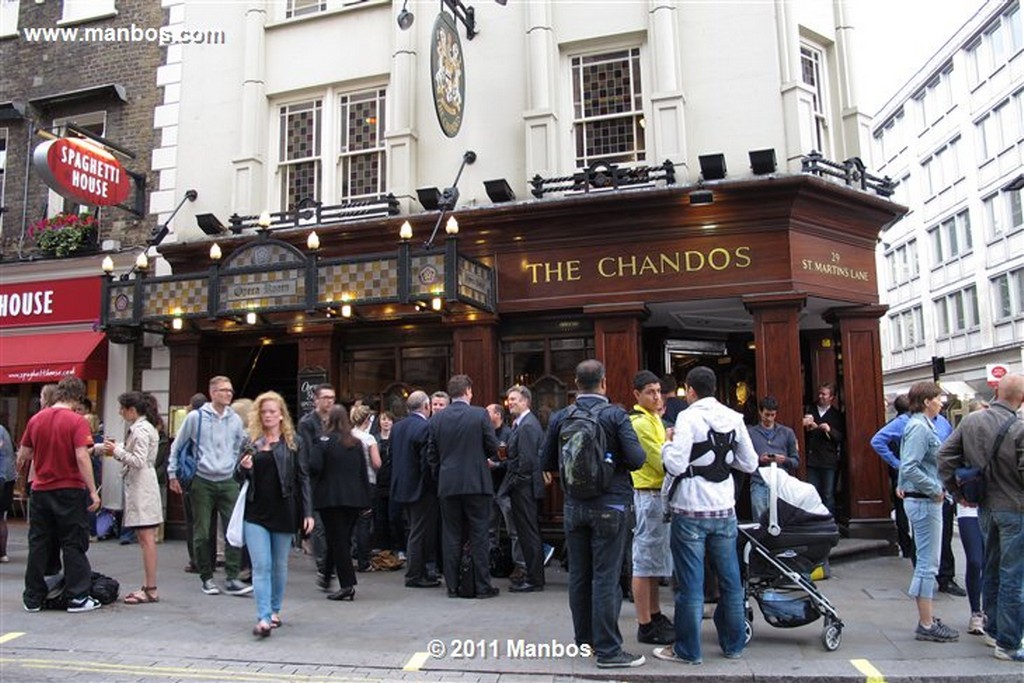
{"points": [[309, 380]]}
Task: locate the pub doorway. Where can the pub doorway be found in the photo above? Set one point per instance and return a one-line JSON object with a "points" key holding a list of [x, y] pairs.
{"points": [[732, 362], [265, 366]]}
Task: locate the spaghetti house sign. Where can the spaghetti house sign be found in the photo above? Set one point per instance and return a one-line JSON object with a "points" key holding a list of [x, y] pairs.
{"points": [[82, 171]]}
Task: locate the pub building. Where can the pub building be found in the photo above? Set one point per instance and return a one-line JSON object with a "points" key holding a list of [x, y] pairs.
{"points": [[770, 281]]}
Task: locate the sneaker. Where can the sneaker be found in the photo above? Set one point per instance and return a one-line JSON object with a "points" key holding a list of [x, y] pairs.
{"points": [[1010, 655], [210, 588], [953, 588], [623, 660], [990, 641], [31, 607], [976, 626], [549, 552], [655, 633], [401, 556], [938, 633], [4, 559], [236, 587], [86, 604], [668, 654]]}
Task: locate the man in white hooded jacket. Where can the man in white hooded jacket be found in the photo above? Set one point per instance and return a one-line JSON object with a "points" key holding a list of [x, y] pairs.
{"points": [[708, 442]]}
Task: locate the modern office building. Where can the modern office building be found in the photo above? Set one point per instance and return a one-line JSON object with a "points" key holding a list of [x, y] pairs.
{"points": [[952, 270]]}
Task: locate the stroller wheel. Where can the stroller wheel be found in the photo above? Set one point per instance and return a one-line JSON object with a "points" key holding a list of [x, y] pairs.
{"points": [[832, 636], [748, 631]]}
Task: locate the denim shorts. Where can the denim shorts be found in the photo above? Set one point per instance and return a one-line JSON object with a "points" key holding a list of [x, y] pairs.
{"points": [[652, 548]]}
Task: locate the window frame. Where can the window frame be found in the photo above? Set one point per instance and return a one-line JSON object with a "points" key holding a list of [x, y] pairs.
{"points": [[957, 312], [80, 11], [633, 54], [342, 155]]}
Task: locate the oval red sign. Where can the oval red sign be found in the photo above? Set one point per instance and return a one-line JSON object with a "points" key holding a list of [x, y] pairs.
{"points": [[82, 171]]}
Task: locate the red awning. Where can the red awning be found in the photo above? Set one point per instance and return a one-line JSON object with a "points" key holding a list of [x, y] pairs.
{"points": [[49, 357]]}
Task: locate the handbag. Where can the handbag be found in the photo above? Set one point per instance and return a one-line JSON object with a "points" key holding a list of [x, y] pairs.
{"points": [[235, 533], [188, 456], [971, 480]]}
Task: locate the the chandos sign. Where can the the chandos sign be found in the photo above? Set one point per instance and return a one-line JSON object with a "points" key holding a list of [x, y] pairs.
{"points": [[82, 172]]}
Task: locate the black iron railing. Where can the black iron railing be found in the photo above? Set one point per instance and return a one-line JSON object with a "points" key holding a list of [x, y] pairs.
{"points": [[308, 211], [852, 172], [602, 176]]}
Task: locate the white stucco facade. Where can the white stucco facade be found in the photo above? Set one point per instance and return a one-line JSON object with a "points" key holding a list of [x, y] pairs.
{"points": [[952, 270]]}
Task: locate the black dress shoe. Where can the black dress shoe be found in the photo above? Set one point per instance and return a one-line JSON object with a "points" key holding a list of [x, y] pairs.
{"points": [[525, 587], [422, 583], [347, 593], [489, 592], [453, 594]]}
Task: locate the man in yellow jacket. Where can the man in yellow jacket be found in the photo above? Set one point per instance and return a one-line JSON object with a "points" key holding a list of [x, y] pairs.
{"points": [[652, 553]]}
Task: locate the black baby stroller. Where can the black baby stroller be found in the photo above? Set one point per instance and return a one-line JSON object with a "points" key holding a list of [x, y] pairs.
{"points": [[779, 552]]}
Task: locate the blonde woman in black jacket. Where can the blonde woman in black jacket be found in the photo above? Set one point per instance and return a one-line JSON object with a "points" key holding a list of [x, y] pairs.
{"points": [[341, 489], [275, 465]]}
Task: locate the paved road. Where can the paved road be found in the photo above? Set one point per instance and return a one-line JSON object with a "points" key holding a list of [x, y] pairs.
{"points": [[385, 634]]}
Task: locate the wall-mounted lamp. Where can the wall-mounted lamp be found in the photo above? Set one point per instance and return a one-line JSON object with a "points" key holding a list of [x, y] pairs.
{"points": [[451, 227], [499, 190], [405, 17], [346, 310], [762, 161], [712, 166], [215, 252], [437, 303], [429, 197], [177, 323], [264, 221], [142, 262], [250, 318], [107, 265], [162, 231], [313, 241], [209, 224], [702, 196], [405, 232]]}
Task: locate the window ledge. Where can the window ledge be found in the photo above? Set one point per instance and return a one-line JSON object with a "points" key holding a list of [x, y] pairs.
{"points": [[88, 19], [332, 12]]}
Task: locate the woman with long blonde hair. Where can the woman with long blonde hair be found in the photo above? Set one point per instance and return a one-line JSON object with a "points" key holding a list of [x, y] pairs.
{"points": [[275, 465]]}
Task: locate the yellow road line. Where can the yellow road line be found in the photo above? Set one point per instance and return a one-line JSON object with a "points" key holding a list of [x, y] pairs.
{"points": [[866, 668], [11, 636], [416, 661], [170, 672]]}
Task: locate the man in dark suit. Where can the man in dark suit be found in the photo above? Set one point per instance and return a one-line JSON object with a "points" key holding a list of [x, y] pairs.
{"points": [[461, 441], [524, 482], [412, 486]]}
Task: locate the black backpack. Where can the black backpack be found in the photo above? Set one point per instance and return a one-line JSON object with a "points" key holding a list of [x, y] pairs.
{"points": [[717, 442], [584, 463]]}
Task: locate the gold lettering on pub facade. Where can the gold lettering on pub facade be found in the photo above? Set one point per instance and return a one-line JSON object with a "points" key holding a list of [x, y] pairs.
{"points": [[635, 265], [833, 268]]}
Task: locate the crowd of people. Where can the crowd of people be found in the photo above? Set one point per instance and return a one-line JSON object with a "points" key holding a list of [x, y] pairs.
{"points": [[653, 487]]}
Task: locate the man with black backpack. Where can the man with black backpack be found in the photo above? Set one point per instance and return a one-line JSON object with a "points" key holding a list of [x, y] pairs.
{"points": [[708, 442], [593, 446]]}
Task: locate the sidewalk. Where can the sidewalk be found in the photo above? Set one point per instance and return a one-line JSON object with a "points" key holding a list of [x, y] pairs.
{"points": [[189, 636]]}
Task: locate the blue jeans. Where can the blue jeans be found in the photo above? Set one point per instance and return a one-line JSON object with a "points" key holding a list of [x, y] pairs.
{"points": [[1003, 576], [824, 480], [691, 539], [596, 540], [268, 551], [925, 517]]}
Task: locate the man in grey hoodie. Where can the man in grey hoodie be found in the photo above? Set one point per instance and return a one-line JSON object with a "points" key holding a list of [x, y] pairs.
{"points": [[221, 439]]}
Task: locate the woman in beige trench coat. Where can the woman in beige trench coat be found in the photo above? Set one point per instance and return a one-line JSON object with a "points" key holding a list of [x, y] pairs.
{"points": [[142, 508]]}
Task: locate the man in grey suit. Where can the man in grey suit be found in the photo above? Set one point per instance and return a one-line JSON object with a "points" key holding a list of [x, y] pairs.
{"points": [[461, 441], [412, 486], [524, 482]]}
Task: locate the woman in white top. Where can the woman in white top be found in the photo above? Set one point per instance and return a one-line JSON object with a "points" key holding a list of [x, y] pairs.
{"points": [[361, 422], [142, 508]]}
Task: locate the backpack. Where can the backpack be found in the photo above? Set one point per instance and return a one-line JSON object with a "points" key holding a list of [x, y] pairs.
{"points": [[188, 456], [717, 442], [585, 465]]}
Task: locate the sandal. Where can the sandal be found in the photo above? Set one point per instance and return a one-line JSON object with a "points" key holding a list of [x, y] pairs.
{"points": [[275, 621], [261, 630], [144, 595]]}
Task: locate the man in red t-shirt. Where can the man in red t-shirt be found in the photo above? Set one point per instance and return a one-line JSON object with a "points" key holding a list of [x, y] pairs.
{"points": [[57, 442]]}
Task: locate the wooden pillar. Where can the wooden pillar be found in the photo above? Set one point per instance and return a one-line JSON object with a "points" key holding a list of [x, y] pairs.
{"points": [[475, 350], [185, 377], [617, 344], [860, 376], [777, 355], [316, 350]]}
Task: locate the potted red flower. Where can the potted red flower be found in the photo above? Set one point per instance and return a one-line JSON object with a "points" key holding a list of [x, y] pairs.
{"points": [[65, 233]]}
